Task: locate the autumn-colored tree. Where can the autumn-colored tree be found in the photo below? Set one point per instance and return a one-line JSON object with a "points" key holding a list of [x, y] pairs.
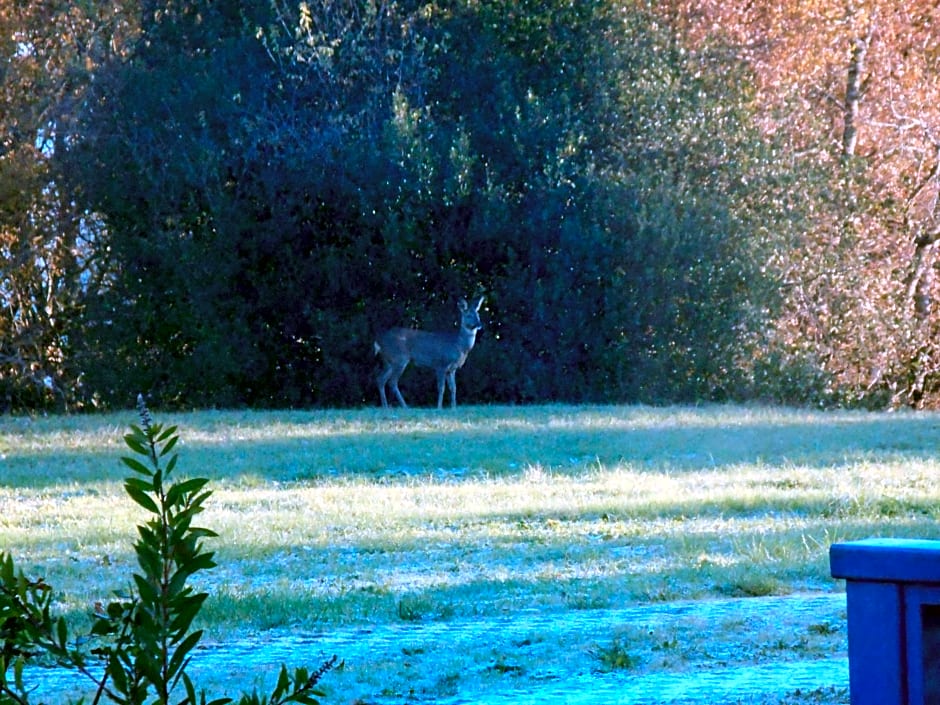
{"points": [[47, 256], [854, 89]]}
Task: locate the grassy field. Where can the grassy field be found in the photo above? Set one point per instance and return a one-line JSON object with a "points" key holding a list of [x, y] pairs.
{"points": [[343, 519]]}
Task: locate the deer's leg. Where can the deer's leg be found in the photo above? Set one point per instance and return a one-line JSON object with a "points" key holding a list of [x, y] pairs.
{"points": [[392, 372], [452, 385], [381, 380], [396, 372], [440, 388]]}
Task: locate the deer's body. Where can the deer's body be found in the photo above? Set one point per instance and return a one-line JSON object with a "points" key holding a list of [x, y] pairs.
{"points": [[444, 353]]}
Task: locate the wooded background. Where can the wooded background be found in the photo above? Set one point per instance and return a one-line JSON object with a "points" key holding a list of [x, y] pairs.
{"points": [[219, 202]]}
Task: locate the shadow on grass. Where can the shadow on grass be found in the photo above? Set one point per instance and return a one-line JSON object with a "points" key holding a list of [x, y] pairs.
{"points": [[419, 580], [497, 442], [491, 447]]}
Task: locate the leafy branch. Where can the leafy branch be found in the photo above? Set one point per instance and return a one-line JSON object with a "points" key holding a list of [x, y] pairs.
{"points": [[144, 638]]}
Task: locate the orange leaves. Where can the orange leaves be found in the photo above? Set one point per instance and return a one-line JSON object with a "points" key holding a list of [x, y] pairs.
{"points": [[854, 88]]}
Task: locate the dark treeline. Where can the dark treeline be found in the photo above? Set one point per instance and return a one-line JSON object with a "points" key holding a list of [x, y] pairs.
{"points": [[230, 198]]}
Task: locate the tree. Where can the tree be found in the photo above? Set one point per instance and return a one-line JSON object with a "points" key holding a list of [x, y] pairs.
{"points": [[150, 154], [302, 176], [47, 257], [851, 88]]}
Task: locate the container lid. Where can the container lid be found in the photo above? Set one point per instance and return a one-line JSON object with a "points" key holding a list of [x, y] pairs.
{"points": [[887, 560]]}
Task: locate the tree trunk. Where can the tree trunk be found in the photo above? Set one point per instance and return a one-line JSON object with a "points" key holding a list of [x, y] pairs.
{"points": [[853, 93]]}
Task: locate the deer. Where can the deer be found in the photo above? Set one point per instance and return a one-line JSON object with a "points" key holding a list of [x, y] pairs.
{"points": [[444, 352]]}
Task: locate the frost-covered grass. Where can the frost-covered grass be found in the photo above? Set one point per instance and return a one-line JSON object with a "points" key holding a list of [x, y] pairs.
{"points": [[339, 518]]}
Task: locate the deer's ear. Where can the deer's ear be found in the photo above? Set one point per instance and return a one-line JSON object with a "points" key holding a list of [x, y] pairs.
{"points": [[462, 305], [479, 303]]}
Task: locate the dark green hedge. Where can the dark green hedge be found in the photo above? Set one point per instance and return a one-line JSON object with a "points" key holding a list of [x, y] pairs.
{"points": [[274, 197]]}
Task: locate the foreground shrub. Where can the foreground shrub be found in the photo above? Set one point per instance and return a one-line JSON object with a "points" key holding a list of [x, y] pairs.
{"points": [[143, 639]]}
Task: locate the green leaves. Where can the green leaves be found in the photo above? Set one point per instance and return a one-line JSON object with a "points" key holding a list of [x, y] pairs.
{"points": [[144, 638], [168, 553], [137, 490], [26, 627]]}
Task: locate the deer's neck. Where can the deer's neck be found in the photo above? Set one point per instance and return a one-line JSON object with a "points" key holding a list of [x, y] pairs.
{"points": [[466, 338]]}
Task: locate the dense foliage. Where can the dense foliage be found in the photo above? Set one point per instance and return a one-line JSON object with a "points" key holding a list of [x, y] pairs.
{"points": [[221, 202]]}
